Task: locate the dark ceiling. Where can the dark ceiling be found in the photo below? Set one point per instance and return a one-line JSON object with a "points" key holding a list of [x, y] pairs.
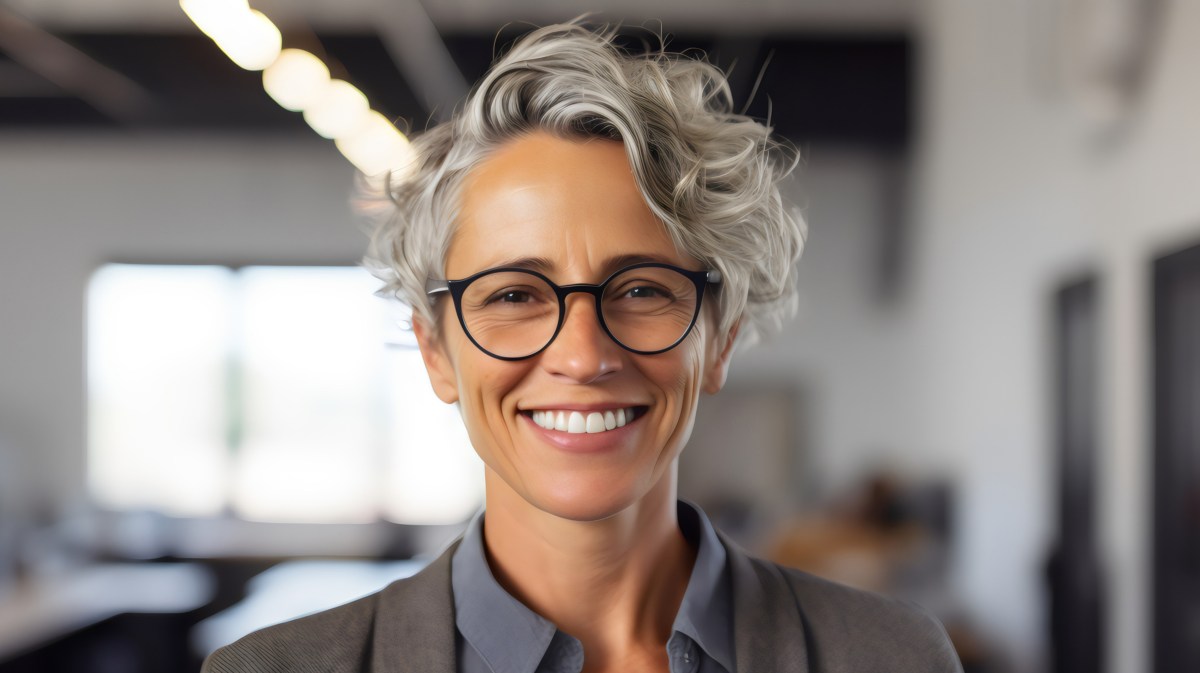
{"points": [[839, 88]]}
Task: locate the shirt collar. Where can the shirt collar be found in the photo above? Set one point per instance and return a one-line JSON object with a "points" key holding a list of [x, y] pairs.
{"points": [[706, 613], [492, 621], [506, 634]]}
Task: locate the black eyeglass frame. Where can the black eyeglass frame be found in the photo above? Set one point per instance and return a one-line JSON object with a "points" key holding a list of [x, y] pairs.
{"points": [[457, 288]]}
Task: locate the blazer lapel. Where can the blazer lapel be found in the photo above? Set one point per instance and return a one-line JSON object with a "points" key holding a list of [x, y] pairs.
{"points": [[769, 634], [414, 625]]}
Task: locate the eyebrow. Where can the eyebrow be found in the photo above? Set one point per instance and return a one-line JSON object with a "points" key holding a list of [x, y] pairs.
{"points": [[542, 264], [545, 266]]}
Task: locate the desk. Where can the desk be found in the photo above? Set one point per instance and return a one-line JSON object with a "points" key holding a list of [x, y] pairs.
{"points": [[42, 610], [294, 589]]}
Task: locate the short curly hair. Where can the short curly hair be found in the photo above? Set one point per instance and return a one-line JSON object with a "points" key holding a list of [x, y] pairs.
{"points": [[709, 174]]}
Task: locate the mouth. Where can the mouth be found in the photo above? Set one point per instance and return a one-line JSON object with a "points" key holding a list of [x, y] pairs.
{"points": [[580, 422]]}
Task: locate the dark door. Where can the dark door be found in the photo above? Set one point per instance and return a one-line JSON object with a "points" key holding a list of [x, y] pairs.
{"points": [[1076, 624], [1177, 462]]}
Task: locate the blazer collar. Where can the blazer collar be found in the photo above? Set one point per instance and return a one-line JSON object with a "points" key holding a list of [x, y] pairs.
{"points": [[768, 631], [414, 627]]}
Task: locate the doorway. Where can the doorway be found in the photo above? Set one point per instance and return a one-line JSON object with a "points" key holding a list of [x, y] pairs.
{"points": [[1073, 569], [1176, 613]]}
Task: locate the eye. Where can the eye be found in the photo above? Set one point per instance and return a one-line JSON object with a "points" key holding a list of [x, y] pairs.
{"points": [[511, 297], [645, 292]]}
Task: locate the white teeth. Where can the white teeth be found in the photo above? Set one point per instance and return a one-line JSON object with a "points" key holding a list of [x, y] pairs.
{"points": [[576, 422]]}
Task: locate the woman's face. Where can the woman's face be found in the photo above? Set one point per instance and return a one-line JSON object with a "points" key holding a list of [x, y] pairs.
{"points": [[573, 206]]}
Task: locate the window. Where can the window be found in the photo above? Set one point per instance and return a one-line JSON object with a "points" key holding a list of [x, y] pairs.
{"points": [[275, 393]]}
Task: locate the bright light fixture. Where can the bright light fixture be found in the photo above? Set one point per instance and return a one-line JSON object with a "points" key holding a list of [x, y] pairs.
{"points": [[246, 35], [296, 79], [376, 146], [338, 111], [253, 43], [214, 16], [300, 82]]}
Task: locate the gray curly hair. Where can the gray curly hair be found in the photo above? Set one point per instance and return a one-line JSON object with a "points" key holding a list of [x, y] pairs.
{"points": [[709, 174]]}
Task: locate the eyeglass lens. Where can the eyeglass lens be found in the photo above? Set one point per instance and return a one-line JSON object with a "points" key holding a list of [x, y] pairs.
{"points": [[515, 314]]}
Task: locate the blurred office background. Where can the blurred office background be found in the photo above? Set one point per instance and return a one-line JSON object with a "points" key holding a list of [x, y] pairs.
{"points": [[988, 403]]}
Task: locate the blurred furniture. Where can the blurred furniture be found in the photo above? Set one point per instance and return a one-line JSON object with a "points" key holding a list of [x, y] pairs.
{"points": [[42, 610], [745, 460], [892, 537], [293, 589], [884, 535]]}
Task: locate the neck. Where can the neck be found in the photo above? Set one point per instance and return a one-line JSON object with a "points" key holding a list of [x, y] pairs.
{"points": [[615, 584]]}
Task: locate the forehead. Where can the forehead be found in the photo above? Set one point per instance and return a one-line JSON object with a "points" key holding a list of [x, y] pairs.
{"points": [[573, 204]]}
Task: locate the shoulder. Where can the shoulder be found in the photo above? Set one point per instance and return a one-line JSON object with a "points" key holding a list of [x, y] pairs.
{"points": [[788, 620], [853, 630], [416, 610], [331, 641]]}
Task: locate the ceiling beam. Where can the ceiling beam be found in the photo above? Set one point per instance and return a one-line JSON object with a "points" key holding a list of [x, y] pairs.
{"points": [[462, 16], [420, 54], [73, 71]]}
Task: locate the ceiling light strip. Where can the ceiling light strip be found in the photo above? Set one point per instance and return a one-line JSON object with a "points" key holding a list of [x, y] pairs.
{"points": [[300, 82]]}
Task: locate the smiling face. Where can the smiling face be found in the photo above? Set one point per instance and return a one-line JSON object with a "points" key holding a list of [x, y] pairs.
{"points": [[572, 210]]}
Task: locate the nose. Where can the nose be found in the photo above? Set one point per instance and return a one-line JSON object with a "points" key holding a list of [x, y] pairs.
{"points": [[582, 351]]}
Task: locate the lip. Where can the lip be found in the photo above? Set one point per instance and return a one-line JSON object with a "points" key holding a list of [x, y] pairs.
{"points": [[584, 442], [576, 406]]}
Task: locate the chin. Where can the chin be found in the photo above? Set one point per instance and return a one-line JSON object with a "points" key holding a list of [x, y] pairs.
{"points": [[578, 505], [594, 498]]}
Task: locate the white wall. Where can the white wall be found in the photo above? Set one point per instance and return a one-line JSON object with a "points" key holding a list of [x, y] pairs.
{"points": [[841, 348]]}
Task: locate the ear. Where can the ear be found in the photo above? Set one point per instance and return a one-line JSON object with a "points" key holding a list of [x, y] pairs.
{"points": [[716, 366], [437, 363]]}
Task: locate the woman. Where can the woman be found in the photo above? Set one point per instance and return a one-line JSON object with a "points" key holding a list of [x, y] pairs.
{"points": [[582, 245]]}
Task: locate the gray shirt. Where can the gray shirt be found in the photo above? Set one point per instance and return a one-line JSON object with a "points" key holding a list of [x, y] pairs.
{"points": [[499, 634]]}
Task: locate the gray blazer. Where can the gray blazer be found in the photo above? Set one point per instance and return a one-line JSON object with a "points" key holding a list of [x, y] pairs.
{"points": [[783, 620]]}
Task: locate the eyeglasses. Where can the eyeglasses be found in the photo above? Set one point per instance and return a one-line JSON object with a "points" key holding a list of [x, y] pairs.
{"points": [[514, 313]]}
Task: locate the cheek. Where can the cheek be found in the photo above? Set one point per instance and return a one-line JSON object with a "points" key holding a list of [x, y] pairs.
{"points": [[679, 378], [688, 370], [692, 354], [484, 384], [682, 398]]}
